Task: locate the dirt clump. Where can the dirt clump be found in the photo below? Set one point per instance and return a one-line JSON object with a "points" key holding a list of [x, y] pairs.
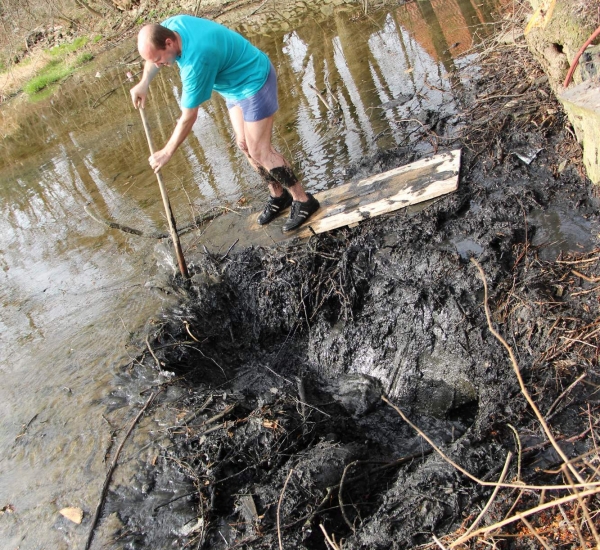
{"points": [[278, 432]]}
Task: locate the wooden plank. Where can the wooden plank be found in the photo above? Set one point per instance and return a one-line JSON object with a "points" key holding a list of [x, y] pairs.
{"points": [[350, 203]]}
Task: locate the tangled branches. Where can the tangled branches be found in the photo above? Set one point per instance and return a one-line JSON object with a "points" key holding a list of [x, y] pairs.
{"points": [[559, 512]]}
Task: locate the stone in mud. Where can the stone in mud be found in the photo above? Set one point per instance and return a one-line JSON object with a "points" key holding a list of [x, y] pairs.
{"points": [[357, 393], [322, 465], [443, 385]]}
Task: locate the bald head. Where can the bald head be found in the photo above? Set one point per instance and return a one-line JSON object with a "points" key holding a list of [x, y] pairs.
{"points": [[156, 36], [159, 45]]}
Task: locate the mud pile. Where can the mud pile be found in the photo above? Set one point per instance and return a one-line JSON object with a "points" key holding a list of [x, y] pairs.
{"points": [[280, 356]]}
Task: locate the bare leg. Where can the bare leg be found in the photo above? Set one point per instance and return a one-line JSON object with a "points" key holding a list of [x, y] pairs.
{"points": [[254, 139]]}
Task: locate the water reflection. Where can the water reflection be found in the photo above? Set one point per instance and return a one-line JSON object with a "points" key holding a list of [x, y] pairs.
{"points": [[73, 291]]}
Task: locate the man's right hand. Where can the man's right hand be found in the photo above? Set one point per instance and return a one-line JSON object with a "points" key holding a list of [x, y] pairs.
{"points": [[138, 95]]}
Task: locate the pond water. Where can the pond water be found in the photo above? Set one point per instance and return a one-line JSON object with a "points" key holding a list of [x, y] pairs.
{"points": [[75, 294]]}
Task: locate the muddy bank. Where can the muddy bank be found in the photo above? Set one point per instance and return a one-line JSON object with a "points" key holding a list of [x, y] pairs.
{"points": [[271, 422]]}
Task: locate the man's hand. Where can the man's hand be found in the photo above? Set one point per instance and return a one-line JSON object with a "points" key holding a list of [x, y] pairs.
{"points": [[184, 125], [159, 159], [138, 94]]}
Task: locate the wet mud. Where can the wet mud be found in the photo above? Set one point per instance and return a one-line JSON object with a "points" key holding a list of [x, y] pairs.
{"points": [[274, 360]]}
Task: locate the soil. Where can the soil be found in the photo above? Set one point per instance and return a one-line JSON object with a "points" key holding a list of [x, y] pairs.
{"points": [[276, 359], [271, 423]]}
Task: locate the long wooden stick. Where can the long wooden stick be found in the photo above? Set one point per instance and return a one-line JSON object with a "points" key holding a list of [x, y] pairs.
{"points": [[166, 203]]}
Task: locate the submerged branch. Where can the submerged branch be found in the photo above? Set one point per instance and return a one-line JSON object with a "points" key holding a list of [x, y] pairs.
{"points": [[113, 467], [124, 228]]}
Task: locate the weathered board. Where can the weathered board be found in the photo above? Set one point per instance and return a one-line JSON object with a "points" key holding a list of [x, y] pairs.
{"points": [[349, 203]]}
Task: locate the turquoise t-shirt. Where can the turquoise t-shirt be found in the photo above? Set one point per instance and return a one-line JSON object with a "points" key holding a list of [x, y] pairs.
{"points": [[214, 57]]}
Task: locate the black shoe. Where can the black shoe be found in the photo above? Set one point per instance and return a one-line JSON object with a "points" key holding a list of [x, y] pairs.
{"points": [[274, 207], [300, 212]]}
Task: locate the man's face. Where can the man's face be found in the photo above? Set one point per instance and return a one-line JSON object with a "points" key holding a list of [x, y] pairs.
{"points": [[160, 57]]}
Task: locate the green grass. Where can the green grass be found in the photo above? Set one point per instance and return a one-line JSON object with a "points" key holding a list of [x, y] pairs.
{"points": [[53, 72], [65, 49], [47, 92], [97, 38], [58, 68], [83, 58]]}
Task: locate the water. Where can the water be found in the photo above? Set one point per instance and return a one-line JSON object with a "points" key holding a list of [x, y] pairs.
{"points": [[559, 231], [75, 299]]}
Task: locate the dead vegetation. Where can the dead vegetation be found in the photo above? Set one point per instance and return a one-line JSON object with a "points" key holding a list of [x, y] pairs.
{"points": [[557, 505], [546, 488], [275, 461]]}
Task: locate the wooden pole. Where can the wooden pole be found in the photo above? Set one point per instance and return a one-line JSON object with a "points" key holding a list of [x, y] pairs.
{"points": [[167, 205]]}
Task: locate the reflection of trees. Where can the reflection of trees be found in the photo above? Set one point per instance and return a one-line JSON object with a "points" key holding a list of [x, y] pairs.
{"points": [[436, 34], [487, 9], [354, 42], [470, 15]]}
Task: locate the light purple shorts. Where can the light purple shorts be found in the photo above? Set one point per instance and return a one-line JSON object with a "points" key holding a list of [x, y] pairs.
{"points": [[262, 104]]}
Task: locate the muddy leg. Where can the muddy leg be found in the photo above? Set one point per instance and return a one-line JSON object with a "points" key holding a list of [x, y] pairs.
{"points": [[254, 139]]}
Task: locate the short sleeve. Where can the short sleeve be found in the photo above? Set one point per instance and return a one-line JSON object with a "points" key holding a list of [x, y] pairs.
{"points": [[197, 84]]}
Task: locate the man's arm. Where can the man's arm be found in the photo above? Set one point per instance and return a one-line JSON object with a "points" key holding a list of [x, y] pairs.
{"points": [[140, 90], [183, 128]]}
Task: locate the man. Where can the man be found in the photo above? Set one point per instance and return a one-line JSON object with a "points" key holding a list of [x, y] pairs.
{"points": [[213, 57]]}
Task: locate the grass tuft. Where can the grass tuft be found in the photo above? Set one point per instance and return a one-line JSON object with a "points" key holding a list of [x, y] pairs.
{"points": [[59, 66], [53, 72], [83, 59], [64, 49]]}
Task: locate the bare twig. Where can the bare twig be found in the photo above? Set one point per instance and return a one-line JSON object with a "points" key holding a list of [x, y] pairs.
{"points": [[517, 371], [279, 508], [218, 416], [153, 354], [536, 535], [573, 525], [582, 503], [575, 262], [320, 96], [331, 543], [340, 499], [187, 327], [557, 400], [113, 466], [438, 542], [487, 506], [518, 440], [585, 277], [531, 511], [192, 416], [229, 250], [124, 228]]}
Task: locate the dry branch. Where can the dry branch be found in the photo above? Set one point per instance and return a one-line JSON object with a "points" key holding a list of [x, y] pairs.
{"points": [[279, 508], [113, 467], [530, 512], [517, 371], [585, 485], [487, 506]]}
